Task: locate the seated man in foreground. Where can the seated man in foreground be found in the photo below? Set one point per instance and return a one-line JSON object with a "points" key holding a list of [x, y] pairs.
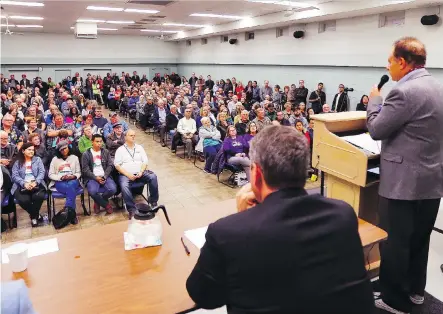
{"points": [[132, 164], [290, 252]]}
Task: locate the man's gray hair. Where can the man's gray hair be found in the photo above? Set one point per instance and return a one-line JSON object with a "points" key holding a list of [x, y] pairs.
{"points": [[283, 155]]}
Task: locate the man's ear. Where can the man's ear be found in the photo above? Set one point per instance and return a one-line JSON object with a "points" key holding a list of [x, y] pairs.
{"points": [[256, 175]]}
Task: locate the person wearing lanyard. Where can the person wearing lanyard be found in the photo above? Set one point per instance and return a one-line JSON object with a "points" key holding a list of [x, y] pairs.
{"points": [[132, 164]]}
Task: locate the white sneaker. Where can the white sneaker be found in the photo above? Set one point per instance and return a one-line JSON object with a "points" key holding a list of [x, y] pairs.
{"points": [[382, 305], [417, 299]]}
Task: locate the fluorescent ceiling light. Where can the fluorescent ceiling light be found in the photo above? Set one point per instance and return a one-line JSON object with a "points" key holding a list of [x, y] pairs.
{"points": [[157, 31], [141, 11], [283, 2], [21, 3], [7, 25], [90, 21], [18, 17], [106, 29], [120, 22], [184, 25], [94, 8], [30, 26], [222, 16]]}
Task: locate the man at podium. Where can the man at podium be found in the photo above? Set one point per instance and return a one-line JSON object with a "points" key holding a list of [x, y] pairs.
{"points": [[410, 125]]}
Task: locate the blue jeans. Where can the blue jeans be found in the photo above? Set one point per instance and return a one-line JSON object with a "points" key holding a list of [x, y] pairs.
{"points": [[210, 153], [107, 190], [149, 178], [69, 189]]}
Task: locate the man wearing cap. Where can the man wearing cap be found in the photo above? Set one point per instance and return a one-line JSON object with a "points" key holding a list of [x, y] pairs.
{"points": [[115, 139], [108, 128], [132, 164], [25, 82]]}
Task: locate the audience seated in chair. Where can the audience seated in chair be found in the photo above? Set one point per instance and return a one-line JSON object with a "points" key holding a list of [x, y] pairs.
{"points": [[99, 120], [97, 166], [280, 119], [115, 139], [65, 173], [187, 128], [14, 134], [132, 164], [236, 151], [159, 120], [209, 142], [29, 189], [242, 125], [261, 120], [58, 131], [8, 151], [114, 119]]}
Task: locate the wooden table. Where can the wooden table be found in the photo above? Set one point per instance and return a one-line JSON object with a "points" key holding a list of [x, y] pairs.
{"points": [[92, 273]]}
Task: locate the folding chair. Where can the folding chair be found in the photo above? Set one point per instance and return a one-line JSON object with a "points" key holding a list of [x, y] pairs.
{"points": [[54, 194], [233, 170], [197, 154], [137, 189], [8, 208]]}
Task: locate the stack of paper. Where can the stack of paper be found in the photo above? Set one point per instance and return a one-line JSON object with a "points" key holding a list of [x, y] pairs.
{"points": [[197, 236], [364, 141], [35, 249]]}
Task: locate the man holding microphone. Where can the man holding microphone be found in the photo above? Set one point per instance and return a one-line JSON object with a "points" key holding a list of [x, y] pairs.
{"points": [[410, 125]]}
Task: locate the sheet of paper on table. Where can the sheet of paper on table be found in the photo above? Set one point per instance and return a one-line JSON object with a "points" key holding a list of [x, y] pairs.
{"points": [[35, 249], [197, 236], [364, 141]]}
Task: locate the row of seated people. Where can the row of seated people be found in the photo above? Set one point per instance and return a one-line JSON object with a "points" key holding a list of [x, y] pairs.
{"points": [[29, 180]]}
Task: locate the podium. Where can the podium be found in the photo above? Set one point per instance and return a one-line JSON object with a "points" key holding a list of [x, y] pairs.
{"points": [[345, 167]]}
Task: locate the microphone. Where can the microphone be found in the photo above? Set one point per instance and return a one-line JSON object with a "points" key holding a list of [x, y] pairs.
{"points": [[384, 79]]}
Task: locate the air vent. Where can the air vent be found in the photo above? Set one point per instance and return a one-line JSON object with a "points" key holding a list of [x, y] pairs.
{"points": [[151, 2], [148, 20]]}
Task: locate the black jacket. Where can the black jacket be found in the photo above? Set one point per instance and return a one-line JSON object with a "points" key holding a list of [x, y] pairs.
{"points": [[340, 103], [112, 147], [172, 121], [317, 105], [26, 83], [361, 107], [87, 163], [293, 254]]}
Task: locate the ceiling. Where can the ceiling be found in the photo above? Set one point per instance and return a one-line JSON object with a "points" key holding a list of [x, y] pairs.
{"points": [[60, 16]]}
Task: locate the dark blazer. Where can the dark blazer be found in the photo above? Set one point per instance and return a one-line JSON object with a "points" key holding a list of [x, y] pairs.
{"points": [[156, 117], [293, 254], [340, 103], [410, 126], [172, 121]]}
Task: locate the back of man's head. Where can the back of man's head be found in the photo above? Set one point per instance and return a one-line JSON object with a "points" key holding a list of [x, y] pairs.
{"points": [[279, 155]]}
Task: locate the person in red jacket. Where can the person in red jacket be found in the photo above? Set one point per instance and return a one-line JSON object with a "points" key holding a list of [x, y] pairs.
{"points": [[239, 90]]}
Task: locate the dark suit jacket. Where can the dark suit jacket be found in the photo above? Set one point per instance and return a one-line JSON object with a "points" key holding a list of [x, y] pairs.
{"points": [[293, 254], [172, 121], [156, 116], [410, 126]]}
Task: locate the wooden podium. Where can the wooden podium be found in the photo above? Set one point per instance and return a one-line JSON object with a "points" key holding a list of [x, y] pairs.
{"points": [[345, 167]]}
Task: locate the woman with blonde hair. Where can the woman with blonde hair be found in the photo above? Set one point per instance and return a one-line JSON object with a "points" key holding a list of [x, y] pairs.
{"points": [[223, 123], [236, 113], [209, 142]]}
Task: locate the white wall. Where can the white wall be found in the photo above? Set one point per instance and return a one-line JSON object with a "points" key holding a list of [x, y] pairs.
{"points": [[356, 42], [38, 49]]}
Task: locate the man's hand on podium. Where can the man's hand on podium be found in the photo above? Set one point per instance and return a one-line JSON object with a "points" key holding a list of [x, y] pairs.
{"points": [[245, 198]]}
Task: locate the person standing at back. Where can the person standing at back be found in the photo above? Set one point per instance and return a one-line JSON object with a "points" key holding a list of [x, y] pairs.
{"points": [[290, 252], [410, 125]]}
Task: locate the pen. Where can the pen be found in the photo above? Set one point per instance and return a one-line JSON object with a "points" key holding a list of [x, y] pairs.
{"points": [[186, 248]]}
